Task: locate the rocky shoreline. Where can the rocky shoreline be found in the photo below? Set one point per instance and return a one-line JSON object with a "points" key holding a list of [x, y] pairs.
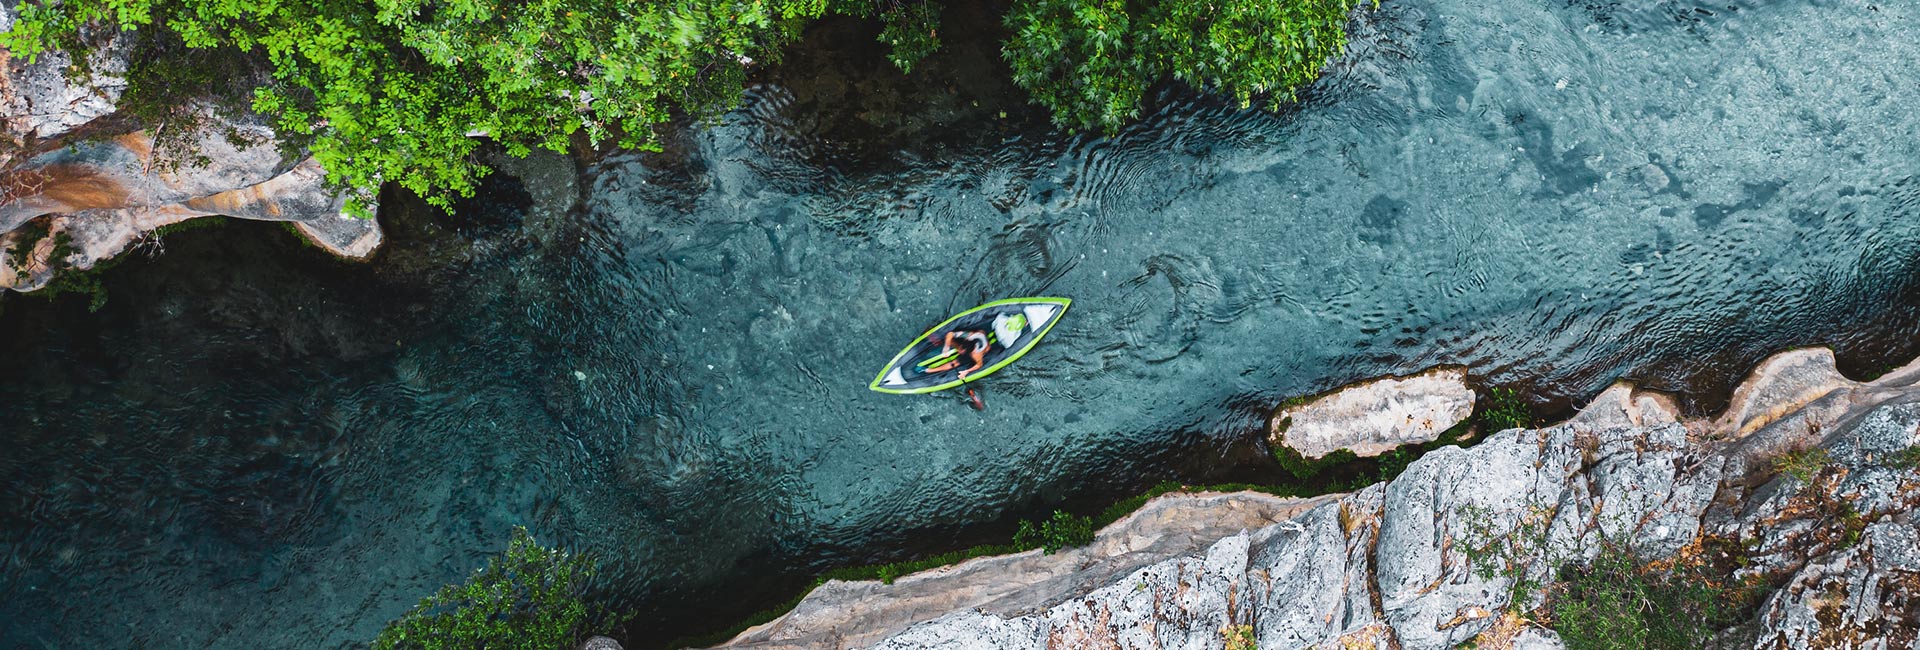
{"points": [[100, 186], [1467, 545]]}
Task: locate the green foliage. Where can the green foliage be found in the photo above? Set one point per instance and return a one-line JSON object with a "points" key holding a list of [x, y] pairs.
{"points": [[528, 597], [67, 279], [390, 90], [1496, 552], [1303, 468], [1240, 637], [1802, 464], [1908, 458], [25, 239], [1617, 602], [1074, 57], [394, 91], [1061, 531], [1389, 465], [1504, 409], [1852, 525], [911, 32], [1091, 61]]}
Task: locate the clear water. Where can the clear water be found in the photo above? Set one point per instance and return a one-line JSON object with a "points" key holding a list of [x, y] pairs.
{"points": [[255, 447]]}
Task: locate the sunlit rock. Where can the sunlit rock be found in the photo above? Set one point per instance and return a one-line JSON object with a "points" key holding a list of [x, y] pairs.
{"points": [[1461, 548], [1374, 417], [95, 196], [1783, 384], [1621, 405], [984, 592]]}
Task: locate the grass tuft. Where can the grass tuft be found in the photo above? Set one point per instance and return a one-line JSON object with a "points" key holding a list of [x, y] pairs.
{"points": [[1802, 464]]}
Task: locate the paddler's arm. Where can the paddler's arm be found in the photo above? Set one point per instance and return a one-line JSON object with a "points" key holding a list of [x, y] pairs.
{"points": [[979, 359]]}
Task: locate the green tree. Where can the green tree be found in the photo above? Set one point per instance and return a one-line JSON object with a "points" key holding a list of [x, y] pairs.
{"points": [[528, 597], [395, 91], [1090, 62]]}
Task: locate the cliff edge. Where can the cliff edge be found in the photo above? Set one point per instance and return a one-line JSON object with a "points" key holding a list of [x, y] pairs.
{"points": [[1801, 495], [79, 185]]}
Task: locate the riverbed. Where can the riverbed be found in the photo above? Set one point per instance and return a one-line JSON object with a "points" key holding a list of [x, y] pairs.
{"points": [[663, 360]]}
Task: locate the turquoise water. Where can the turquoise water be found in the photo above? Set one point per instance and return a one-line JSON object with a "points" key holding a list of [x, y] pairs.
{"points": [[665, 363]]}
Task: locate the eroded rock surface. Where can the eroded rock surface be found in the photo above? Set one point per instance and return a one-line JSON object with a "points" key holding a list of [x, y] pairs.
{"points": [[1464, 545], [1374, 417], [854, 614], [90, 197]]}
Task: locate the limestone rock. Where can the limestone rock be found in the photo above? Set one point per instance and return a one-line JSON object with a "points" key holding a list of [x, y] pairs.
{"points": [[1622, 405], [1538, 639], [1866, 596], [1429, 560], [104, 193], [38, 100], [1374, 417], [1459, 545], [1783, 384], [854, 614]]}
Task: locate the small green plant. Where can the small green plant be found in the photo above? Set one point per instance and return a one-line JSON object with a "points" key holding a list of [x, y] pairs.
{"points": [[1240, 637], [1504, 409], [1852, 525], [529, 597], [1062, 530], [26, 237], [1802, 464], [1496, 552], [1617, 602], [1908, 458], [1126, 506], [1391, 464], [1304, 468]]}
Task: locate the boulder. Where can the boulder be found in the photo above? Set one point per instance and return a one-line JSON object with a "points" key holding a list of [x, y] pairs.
{"points": [[1374, 417]]}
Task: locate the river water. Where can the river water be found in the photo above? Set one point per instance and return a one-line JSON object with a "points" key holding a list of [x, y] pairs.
{"points": [[665, 363]]}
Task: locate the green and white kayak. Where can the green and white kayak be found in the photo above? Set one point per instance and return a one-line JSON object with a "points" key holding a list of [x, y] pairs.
{"points": [[1011, 328]]}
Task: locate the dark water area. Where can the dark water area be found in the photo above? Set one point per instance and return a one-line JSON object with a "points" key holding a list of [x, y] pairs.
{"points": [[664, 361]]}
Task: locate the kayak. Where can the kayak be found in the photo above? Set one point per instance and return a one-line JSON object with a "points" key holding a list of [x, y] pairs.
{"points": [[1009, 327]]}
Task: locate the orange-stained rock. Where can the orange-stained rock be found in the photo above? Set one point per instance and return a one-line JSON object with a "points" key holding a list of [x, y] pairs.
{"points": [[103, 193]]}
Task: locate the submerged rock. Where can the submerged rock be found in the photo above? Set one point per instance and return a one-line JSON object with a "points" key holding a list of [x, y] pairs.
{"points": [[1374, 417], [1465, 546], [95, 186]]}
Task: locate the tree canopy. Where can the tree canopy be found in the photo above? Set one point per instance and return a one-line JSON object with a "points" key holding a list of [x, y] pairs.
{"points": [[395, 90]]}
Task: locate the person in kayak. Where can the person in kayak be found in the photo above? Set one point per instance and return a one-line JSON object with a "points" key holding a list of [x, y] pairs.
{"points": [[977, 343]]}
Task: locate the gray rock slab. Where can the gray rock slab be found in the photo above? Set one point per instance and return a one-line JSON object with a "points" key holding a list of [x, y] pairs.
{"points": [[1447, 552], [981, 598], [1374, 417]]}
